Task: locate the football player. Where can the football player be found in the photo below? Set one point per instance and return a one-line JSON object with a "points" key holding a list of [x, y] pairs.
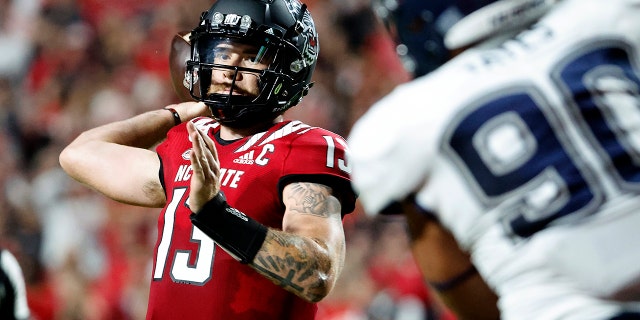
{"points": [[523, 147], [251, 225], [13, 292]]}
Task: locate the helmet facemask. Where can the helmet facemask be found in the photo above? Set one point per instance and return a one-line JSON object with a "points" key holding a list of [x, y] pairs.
{"points": [[231, 76]]}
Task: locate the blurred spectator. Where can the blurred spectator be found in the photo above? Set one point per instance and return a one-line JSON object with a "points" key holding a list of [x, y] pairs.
{"points": [[16, 27]]}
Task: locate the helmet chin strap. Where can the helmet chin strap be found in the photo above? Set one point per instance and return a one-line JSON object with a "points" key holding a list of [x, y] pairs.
{"points": [[498, 17]]}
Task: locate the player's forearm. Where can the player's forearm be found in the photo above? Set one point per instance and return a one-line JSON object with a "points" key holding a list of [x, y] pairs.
{"points": [[142, 131], [297, 264], [448, 269], [471, 300], [303, 265]]}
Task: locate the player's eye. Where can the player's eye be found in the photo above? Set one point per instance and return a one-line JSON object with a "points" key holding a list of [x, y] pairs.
{"points": [[221, 55]]}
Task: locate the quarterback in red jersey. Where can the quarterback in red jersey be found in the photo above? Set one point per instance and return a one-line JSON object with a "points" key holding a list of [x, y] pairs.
{"points": [[251, 225]]}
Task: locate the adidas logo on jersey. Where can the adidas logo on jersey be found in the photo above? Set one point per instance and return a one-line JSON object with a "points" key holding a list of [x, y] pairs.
{"points": [[246, 158]]}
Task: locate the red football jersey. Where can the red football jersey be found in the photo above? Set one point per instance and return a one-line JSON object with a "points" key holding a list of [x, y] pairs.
{"points": [[195, 279]]}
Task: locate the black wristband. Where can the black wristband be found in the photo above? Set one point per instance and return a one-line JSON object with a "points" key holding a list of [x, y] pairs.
{"points": [[176, 116], [455, 281], [239, 235]]}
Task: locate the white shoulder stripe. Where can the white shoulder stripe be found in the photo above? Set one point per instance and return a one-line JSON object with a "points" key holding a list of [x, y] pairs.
{"points": [[290, 128], [251, 142]]}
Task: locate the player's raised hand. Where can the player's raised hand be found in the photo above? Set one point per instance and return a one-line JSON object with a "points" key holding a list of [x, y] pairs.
{"points": [[205, 179]]}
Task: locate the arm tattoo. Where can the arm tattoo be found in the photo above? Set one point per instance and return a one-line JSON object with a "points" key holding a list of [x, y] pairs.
{"points": [[311, 198], [301, 265], [294, 263]]}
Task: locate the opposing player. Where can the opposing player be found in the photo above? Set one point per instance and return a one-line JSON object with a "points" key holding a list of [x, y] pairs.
{"points": [[13, 292], [252, 221], [524, 147]]}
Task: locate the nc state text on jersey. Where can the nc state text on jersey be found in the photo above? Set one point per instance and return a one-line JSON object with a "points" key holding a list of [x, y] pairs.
{"points": [[228, 177]]}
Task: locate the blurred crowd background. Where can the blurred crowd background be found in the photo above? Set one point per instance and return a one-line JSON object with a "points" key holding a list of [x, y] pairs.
{"points": [[69, 65]]}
